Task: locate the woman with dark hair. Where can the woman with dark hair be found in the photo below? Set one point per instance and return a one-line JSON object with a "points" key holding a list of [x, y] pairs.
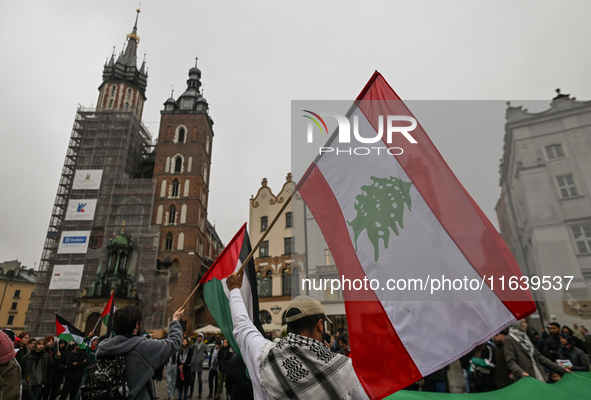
{"points": [[575, 340], [143, 354], [22, 346], [575, 355], [183, 373], [224, 357]]}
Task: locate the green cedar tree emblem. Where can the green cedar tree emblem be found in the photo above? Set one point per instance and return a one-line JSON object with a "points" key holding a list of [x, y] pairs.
{"points": [[379, 207]]}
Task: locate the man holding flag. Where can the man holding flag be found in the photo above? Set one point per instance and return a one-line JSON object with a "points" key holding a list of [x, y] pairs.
{"points": [[300, 365]]}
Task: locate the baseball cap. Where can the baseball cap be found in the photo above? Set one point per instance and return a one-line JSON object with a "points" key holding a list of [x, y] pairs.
{"points": [[307, 306]]}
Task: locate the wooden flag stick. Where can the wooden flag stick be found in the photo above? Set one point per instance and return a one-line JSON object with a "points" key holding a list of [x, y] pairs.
{"points": [[254, 249], [97, 322]]}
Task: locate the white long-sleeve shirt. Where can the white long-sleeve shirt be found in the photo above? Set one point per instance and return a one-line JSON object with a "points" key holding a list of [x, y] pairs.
{"points": [[252, 344]]}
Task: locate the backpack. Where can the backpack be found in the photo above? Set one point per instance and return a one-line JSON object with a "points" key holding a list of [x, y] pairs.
{"points": [[106, 380]]}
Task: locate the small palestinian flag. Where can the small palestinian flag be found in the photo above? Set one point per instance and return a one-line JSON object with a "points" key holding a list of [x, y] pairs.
{"points": [[66, 331], [108, 314], [216, 292]]}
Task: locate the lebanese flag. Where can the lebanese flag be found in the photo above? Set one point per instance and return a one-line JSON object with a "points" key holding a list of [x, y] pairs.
{"points": [[216, 292], [66, 331], [108, 314], [407, 217]]}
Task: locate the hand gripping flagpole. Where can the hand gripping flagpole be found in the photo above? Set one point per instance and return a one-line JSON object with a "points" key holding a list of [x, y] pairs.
{"points": [[254, 249]]}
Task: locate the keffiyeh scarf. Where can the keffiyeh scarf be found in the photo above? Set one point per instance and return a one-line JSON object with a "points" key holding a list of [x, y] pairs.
{"points": [[300, 367]]}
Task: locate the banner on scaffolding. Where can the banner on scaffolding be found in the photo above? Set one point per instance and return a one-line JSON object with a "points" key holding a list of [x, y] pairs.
{"points": [[74, 242], [87, 179], [66, 277], [81, 210]]}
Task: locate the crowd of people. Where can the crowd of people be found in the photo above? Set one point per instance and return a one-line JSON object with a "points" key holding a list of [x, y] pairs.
{"points": [[35, 369], [519, 352]]}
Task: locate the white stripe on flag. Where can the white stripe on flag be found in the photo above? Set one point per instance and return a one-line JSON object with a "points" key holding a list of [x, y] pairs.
{"points": [[423, 248]]}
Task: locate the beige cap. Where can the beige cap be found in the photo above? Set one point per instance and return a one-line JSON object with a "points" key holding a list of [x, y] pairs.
{"points": [[307, 305]]}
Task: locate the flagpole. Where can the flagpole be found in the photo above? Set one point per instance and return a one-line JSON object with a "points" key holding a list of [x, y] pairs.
{"points": [[254, 249], [97, 322]]}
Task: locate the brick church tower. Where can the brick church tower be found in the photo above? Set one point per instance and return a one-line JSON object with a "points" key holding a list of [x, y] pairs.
{"points": [[181, 171]]}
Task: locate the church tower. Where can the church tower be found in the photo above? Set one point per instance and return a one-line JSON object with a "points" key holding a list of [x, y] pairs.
{"points": [[124, 86], [181, 171]]}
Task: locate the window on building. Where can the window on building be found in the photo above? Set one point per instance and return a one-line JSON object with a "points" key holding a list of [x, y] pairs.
{"points": [[96, 238], [181, 135], [178, 164], [176, 268], [267, 284], [289, 245], [554, 151], [10, 320], [14, 306], [128, 96], [328, 257], [168, 242], [111, 103], [264, 223], [286, 282], [126, 106], [566, 186], [288, 220], [113, 88], [582, 235], [259, 282], [174, 189], [295, 281], [172, 214], [264, 249], [265, 317], [207, 144], [17, 293]]}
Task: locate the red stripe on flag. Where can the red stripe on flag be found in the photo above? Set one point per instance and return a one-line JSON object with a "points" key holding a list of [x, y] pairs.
{"points": [[457, 212], [108, 307], [59, 328], [225, 264], [391, 368]]}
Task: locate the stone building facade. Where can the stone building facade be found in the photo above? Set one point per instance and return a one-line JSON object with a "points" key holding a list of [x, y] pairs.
{"points": [[545, 207]]}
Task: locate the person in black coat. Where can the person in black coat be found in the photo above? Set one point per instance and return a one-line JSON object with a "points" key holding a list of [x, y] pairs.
{"points": [[55, 375], [76, 361], [552, 345], [570, 352], [238, 385], [224, 356], [183, 373]]}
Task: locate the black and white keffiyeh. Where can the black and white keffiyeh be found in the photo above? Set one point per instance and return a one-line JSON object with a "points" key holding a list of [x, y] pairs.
{"points": [[300, 367]]}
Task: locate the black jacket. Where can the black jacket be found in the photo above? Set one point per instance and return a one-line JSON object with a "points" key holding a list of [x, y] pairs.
{"points": [[552, 347], [224, 356], [238, 385], [75, 364], [576, 356]]}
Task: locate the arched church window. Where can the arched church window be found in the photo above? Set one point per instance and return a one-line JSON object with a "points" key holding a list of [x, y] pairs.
{"points": [[113, 88], [128, 96], [174, 190], [178, 164], [111, 103], [182, 135], [171, 214], [126, 106], [168, 242]]}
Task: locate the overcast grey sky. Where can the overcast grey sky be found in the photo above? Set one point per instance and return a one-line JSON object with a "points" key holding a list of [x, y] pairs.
{"points": [[255, 58]]}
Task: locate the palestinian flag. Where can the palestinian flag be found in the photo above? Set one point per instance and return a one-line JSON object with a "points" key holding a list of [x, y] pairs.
{"points": [[402, 221], [216, 292], [66, 331], [108, 314]]}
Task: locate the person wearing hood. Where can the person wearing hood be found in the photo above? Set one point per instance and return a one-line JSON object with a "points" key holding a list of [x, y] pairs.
{"points": [[142, 355], [523, 359], [570, 352], [575, 340], [199, 355]]}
